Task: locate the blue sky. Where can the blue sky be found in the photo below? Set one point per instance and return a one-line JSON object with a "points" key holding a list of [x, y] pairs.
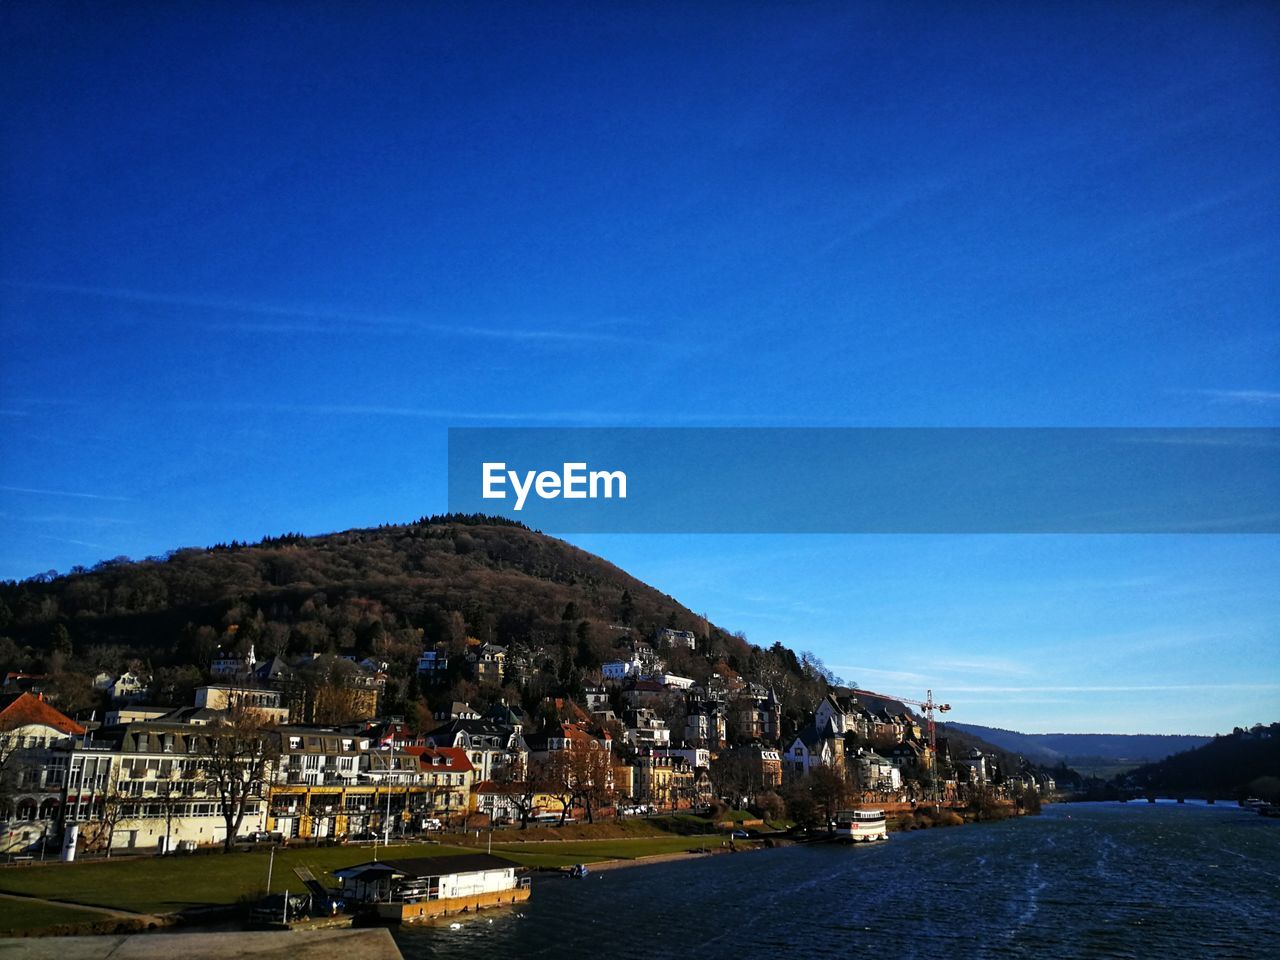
{"points": [[256, 261]]}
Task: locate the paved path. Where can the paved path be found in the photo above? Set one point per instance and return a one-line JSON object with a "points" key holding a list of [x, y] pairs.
{"points": [[294, 945]]}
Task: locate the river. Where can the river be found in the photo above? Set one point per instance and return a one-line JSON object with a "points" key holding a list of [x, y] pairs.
{"points": [[1081, 880]]}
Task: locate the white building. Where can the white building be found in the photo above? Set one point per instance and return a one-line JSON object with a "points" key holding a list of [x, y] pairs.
{"points": [[672, 682], [142, 787], [621, 669]]}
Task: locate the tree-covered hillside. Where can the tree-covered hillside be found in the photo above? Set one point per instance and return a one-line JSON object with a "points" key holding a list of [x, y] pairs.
{"points": [[1243, 763], [1055, 748], [382, 593]]}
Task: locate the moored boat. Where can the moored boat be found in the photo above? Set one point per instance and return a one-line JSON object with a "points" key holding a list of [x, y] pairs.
{"points": [[861, 826]]}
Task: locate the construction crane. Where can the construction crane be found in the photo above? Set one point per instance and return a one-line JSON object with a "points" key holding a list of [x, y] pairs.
{"points": [[929, 705]]}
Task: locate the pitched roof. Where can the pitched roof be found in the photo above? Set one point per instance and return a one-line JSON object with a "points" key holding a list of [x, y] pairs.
{"points": [[25, 709], [455, 758]]}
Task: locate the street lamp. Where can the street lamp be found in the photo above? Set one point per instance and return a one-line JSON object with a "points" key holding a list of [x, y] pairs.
{"points": [[385, 777]]}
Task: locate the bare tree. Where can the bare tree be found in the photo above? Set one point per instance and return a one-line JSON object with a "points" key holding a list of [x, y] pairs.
{"points": [[592, 777], [112, 807], [556, 777], [235, 757], [519, 788]]}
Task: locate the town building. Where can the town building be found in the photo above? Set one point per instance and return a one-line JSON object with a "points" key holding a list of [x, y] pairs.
{"points": [[33, 736]]}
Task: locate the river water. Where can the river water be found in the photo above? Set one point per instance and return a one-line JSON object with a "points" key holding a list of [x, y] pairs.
{"points": [[1081, 880]]}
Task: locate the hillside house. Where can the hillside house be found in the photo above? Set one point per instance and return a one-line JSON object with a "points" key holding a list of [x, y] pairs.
{"points": [[677, 638], [487, 662], [812, 748]]}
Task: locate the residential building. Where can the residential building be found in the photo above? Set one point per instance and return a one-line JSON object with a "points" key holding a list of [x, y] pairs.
{"points": [[872, 771], [496, 751], [677, 638], [672, 682], [622, 669], [646, 729], [268, 704], [487, 662], [457, 710], [142, 786], [705, 724], [756, 714], [433, 665], [317, 789], [813, 747], [663, 781], [231, 664], [32, 770]]}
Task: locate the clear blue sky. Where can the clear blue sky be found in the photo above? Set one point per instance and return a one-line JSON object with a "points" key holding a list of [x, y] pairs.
{"points": [[257, 258]]}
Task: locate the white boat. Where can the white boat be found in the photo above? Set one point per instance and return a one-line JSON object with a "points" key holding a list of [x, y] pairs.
{"points": [[859, 826]]}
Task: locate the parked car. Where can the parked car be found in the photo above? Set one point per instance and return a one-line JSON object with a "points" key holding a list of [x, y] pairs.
{"points": [[262, 836]]}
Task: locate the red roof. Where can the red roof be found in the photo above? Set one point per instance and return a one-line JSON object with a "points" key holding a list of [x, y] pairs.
{"points": [[26, 709], [455, 757]]}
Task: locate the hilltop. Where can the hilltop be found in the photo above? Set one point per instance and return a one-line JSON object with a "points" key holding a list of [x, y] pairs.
{"points": [[382, 593]]}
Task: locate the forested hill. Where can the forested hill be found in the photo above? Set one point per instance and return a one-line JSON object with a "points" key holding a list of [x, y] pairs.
{"points": [[508, 582], [1243, 763], [1055, 748], [381, 593]]}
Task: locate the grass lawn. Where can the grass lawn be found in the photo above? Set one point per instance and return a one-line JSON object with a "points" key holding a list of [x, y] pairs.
{"points": [[562, 854], [153, 885], [19, 917]]}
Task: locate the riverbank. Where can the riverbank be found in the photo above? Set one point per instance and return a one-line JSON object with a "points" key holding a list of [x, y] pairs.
{"points": [[115, 896]]}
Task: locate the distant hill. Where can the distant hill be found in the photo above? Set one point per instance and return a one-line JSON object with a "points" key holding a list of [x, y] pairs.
{"points": [[1051, 749], [1243, 763]]}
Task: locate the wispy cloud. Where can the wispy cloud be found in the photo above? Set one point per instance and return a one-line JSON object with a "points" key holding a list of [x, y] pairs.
{"points": [[1115, 688], [78, 543], [278, 319], [594, 417], [34, 491], [87, 521], [986, 665], [1256, 398], [859, 674]]}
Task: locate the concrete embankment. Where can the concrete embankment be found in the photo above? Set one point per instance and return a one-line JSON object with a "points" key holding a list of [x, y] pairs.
{"points": [[309, 945]]}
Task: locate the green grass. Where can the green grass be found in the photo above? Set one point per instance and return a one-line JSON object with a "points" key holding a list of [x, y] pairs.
{"points": [[684, 823], [562, 854], [153, 885], [25, 917]]}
